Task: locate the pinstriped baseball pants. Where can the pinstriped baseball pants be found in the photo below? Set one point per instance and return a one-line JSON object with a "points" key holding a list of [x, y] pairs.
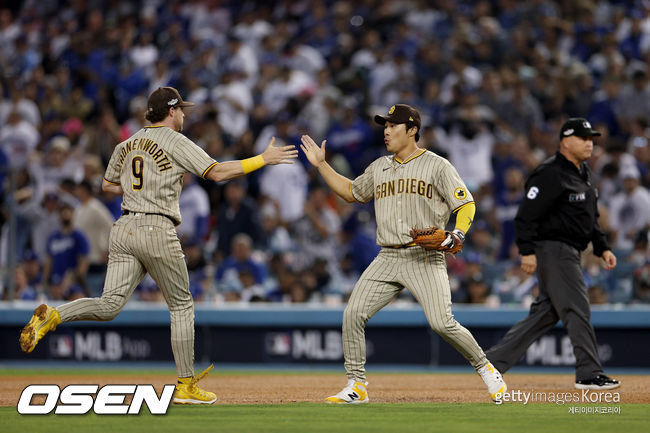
{"points": [[140, 244], [424, 273]]}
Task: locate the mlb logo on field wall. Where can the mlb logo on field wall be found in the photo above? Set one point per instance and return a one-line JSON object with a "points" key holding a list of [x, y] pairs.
{"points": [[79, 399]]}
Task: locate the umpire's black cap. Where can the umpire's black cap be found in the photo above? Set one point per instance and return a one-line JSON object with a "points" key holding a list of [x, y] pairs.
{"points": [[402, 113], [579, 127]]}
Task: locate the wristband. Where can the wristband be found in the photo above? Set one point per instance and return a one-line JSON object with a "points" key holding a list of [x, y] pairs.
{"points": [[252, 164], [460, 235]]}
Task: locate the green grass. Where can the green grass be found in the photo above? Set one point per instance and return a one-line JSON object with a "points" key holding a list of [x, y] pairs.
{"points": [[311, 417]]}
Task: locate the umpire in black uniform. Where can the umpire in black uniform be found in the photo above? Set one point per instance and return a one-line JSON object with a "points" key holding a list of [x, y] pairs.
{"points": [[556, 220]]}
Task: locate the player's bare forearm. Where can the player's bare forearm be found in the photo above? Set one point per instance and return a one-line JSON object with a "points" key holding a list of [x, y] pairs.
{"points": [[226, 171], [112, 188], [271, 156], [341, 185]]}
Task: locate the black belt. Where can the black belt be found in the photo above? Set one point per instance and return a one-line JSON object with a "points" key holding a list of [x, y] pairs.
{"points": [[128, 212], [397, 247]]}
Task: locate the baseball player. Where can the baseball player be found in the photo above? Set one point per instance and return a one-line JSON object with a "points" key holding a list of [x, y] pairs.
{"points": [[413, 187], [147, 169]]}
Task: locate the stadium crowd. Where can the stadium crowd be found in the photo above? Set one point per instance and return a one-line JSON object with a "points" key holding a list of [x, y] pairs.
{"points": [[493, 80]]}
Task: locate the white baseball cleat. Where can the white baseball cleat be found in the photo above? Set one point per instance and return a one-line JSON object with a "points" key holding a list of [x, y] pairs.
{"points": [[354, 393], [494, 381]]}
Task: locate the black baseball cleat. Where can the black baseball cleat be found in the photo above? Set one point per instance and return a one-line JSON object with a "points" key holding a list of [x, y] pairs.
{"points": [[600, 382]]}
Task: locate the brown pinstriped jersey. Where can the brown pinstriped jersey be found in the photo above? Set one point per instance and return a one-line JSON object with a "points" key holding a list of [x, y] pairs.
{"points": [[422, 192], [150, 166]]}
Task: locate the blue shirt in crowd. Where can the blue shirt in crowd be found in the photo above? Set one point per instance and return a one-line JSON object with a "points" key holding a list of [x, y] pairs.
{"points": [[65, 249]]}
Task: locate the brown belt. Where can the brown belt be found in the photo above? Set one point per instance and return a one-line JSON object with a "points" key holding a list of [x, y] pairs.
{"points": [[128, 212]]}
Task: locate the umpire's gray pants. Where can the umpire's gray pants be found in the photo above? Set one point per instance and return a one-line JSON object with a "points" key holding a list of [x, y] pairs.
{"points": [[562, 296]]}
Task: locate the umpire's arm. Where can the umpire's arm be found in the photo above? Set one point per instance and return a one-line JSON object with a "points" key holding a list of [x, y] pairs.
{"points": [[542, 190]]}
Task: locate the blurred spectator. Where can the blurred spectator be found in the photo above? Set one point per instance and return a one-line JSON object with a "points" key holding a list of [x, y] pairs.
{"points": [[194, 204], [19, 102], [637, 99], [629, 210], [481, 243], [23, 291], [31, 266], [506, 206], [360, 239], [199, 270], [67, 251], [641, 285], [351, 137], [95, 221], [56, 166], [597, 295], [286, 186], [605, 106], [478, 292], [469, 143], [134, 123], [42, 217], [241, 259], [274, 237], [238, 214], [317, 232], [104, 135], [233, 101], [515, 286], [18, 139]]}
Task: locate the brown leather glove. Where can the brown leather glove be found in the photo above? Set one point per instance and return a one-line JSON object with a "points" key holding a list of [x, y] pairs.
{"points": [[437, 239]]}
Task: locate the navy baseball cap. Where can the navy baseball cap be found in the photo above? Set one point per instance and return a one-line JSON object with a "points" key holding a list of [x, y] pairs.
{"points": [[579, 127], [401, 113]]}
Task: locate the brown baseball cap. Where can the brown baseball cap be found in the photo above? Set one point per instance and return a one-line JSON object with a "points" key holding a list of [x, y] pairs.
{"points": [[165, 97], [400, 113]]}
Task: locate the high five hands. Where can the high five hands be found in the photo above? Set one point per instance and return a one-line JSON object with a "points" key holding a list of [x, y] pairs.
{"points": [[279, 155]]}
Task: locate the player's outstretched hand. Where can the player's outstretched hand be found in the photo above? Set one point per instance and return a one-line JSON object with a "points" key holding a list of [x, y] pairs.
{"points": [[314, 153], [279, 155]]}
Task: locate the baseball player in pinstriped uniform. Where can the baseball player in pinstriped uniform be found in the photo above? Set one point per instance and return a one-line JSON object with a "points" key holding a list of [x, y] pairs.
{"points": [[413, 187], [147, 169]]}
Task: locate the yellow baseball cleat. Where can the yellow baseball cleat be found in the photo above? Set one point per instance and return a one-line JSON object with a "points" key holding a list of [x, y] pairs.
{"points": [[188, 393], [44, 320], [494, 381], [354, 393]]}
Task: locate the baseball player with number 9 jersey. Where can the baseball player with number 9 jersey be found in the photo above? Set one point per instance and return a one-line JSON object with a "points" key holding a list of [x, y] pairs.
{"points": [[412, 188], [147, 169]]}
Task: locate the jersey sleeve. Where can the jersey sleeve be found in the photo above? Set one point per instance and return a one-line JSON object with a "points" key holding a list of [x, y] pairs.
{"points": [[192, 158], [451, 187], [114, 167], [363, 187], [542, 190]]}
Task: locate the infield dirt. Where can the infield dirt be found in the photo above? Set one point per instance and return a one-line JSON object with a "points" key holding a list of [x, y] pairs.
{"points": [[268, 388]]}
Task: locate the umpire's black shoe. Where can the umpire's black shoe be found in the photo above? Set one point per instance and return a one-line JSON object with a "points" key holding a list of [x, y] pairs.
{"points": [[600, 382]]}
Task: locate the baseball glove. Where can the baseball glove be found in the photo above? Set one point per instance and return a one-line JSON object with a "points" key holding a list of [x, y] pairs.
{"points": [[437, 239]]}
